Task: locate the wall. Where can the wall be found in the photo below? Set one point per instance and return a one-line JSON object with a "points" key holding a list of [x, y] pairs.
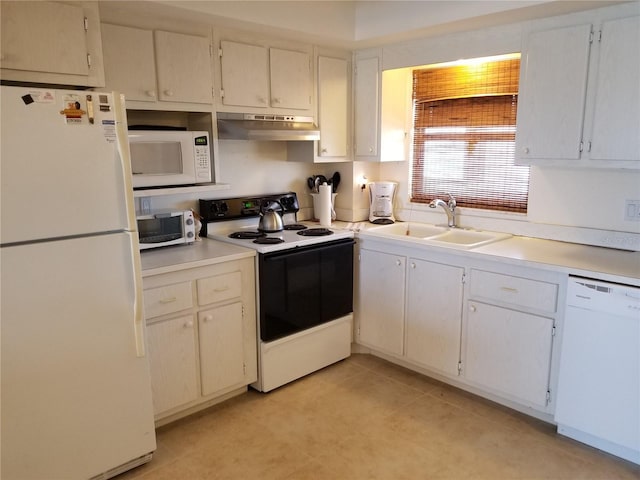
{"points": [[579, 205]]}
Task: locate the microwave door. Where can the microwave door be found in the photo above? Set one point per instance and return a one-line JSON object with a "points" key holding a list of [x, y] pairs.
{"points": [[159, 163]]}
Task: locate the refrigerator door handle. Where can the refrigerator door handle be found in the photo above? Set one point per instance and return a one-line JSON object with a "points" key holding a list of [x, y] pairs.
{"points": [[138, 316], [125, 159]]}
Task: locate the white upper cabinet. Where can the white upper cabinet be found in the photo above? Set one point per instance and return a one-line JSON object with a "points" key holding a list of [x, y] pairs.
{"points": [[333, 98], [245, 75], [615, 134], [164, 66], [367, 107], [51, 42], [261, 77], [579, 101]]}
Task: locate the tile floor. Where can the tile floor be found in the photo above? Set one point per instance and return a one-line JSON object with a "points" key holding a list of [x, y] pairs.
{"points": [[365, 418]]}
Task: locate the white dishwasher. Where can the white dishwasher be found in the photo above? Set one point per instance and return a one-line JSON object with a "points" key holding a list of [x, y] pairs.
{"points": [[599, 382]]}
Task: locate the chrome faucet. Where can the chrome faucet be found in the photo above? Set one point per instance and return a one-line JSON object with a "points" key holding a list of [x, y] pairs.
{"points": [[449, 208]]}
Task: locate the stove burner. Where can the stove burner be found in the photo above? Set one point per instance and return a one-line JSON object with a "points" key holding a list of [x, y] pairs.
{"points": [[268, 240], [295, 226], [315, 232], [247, 235]]}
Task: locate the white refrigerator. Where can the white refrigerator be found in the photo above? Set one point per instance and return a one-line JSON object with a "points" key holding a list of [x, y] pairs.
{"points": [[75, 385]]}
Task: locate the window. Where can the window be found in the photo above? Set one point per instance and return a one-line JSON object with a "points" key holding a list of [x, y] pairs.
{"points": [[464, 125]]}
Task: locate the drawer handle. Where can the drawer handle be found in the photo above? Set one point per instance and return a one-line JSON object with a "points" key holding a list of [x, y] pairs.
{"points": [[221, 289], [168, 300], [509, 289]]}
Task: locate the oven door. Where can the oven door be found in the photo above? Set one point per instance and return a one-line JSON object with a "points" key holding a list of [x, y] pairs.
{"points": [[304, 287]]}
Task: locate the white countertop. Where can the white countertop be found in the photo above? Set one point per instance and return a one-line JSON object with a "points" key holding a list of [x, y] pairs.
{"points": [[198, 254], [571, 258]]}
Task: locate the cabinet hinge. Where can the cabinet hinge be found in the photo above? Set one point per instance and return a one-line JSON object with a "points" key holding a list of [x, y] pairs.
{"points": [[242, 311], [220, 52], [591, 36], [221, 93], [244, 368], [553, 331], [86, 24], [548, 397], [599, 36], [210, 50], [459, 368], [581, 147], [89, 60], [588, 146], [464, 278]]}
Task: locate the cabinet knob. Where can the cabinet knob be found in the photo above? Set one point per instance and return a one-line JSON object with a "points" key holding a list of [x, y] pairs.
{"points": [[261, 100], [398, 262], [168, 93], [370, 149], [207, 318], [188, 324], [150, 93], [473, 308], [275, 100], [413, 265], [324, 150], [525, 150]]}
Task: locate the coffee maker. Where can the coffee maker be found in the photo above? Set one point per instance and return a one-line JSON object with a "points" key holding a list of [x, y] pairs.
{"points": [[381, 197]]}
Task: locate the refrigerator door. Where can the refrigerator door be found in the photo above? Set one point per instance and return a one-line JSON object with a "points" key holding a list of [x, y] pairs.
{"points": [[76, 398], [61, 164]]}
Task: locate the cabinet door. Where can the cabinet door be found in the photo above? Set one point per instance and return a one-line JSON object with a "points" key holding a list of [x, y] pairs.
{"points": [[245, 75], [27, 32], [333, 94], [221, 339], [367, 86], [508, 352], [183, 64], [381, 301], [551, 103], [616, 124], [131, 71], [434, 315], [290, 79], [172, 361]]}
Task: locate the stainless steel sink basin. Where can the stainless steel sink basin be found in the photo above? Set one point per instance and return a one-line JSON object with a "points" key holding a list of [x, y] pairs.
{"points": [[427, 234]]}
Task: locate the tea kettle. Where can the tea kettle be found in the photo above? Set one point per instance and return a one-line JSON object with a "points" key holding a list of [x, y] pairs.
{"points": [[270, 218]]}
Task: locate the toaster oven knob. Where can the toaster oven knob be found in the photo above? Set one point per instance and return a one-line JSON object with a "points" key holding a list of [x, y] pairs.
{"points": [[189, 234], [189, 221]]}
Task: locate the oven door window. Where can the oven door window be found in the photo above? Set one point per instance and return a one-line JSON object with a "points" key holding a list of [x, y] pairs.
{"points": [[305, 287]]}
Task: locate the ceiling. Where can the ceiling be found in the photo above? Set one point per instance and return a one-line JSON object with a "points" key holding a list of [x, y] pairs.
{"points": [[362, 24]]}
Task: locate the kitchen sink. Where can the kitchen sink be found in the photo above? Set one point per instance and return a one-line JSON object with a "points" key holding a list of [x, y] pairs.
{"points": [[427, 234]]}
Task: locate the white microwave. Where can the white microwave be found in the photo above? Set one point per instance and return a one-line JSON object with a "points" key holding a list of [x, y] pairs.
{"points": [[165, 228], [161, 158]]}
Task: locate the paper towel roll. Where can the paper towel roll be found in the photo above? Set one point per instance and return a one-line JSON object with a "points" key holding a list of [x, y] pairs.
{"points": [[324, 205]]}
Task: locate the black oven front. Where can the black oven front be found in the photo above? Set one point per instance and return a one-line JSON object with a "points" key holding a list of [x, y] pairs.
{"points": [[304, 286]]}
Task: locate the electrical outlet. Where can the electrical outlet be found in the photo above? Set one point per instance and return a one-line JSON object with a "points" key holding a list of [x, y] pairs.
{"points": [[632, 210]]}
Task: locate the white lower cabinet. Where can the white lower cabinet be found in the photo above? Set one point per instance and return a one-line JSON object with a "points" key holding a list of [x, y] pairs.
{"points": [[434, 312], [508, 352], [201, 335], [381, 301], [409, 309]]}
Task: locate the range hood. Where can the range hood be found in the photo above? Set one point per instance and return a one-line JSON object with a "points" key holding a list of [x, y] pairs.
{"points": [[254, 126]]}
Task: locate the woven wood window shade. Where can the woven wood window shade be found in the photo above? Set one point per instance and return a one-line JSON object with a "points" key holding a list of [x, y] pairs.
{"points": [[464, 136]]}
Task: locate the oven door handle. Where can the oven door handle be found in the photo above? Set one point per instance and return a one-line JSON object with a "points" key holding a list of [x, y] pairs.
{"points": [[306, 249]]}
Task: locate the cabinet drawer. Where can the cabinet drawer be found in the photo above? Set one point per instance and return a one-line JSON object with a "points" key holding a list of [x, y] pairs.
{"points": [[219, 288], [167, 299], [521, 292]]}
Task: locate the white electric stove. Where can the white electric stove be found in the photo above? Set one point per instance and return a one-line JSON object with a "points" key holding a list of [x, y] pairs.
{"points": [[304, 278]]}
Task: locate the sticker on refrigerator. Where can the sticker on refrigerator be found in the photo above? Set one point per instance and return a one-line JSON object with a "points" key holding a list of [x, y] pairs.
{"points": [[73, 110], [39, 96], [109, 130]]}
